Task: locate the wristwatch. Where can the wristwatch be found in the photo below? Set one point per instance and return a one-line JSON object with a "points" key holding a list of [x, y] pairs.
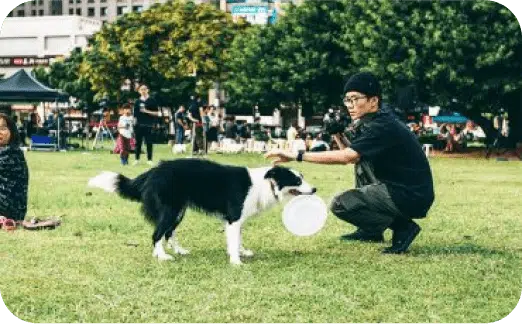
{"points": [[299, 157]]}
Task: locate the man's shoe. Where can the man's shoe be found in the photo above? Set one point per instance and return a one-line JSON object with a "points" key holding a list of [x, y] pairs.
{"points": [[136, 162], [150, 163], [363, 236], [402, 238]]}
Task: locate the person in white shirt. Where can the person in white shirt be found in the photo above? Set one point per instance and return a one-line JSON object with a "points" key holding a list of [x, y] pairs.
{"points": [[125, 130], [291, 133]]}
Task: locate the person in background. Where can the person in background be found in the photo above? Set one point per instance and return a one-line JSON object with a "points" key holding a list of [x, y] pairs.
{"points": [[125, 132], [291, 133], [181, 124], [146, 113], [195, 115], [14, 174], [214, 128]]}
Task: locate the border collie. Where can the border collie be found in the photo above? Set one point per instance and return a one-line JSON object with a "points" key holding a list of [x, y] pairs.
{"points": [[233, 193]]}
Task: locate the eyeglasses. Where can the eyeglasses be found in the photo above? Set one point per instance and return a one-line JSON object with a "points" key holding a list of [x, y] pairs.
{"points": [[352, 101]]}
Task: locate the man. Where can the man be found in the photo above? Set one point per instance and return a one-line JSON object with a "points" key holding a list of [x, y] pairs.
{"points": [[146, 114], [393, 177], [180, 124], [195, 114]]}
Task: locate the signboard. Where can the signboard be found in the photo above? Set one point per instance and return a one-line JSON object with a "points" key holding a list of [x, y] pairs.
{"points": [[26, 61], [252, 14]]}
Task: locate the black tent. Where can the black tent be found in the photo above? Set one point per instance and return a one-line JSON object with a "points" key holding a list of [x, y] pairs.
{"points": [[22, 87]]}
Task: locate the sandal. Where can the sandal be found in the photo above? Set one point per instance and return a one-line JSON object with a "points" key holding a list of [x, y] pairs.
{"points": [[8, 224], [37, 224]]}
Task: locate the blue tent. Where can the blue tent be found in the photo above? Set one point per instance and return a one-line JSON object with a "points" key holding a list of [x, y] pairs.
{"points": [[450, 119]]}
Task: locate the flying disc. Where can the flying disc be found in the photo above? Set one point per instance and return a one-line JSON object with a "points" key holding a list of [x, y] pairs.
{"points": [[305, 215]]}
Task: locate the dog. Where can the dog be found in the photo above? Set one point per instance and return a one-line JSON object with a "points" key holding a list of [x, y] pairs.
{"points": [[233, 193]]}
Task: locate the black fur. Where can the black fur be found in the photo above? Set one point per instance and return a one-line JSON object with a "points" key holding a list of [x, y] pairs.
{"points": [[168, 189], [285, 177]]}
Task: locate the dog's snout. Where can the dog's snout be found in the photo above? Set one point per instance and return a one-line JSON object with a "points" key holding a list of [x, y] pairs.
{"points": [[314, 190]]}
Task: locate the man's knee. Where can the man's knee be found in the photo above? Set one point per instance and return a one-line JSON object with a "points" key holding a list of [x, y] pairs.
{"points": [[344, 204]]}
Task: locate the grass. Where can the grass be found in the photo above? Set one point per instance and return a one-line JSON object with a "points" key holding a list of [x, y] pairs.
{"points": [[97, 267]]}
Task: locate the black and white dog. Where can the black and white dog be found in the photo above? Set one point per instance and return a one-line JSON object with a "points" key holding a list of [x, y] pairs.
{"points": [[233, 193]]}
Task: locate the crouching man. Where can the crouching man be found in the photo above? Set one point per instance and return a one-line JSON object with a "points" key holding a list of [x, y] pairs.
{"points": [[394, 184]]}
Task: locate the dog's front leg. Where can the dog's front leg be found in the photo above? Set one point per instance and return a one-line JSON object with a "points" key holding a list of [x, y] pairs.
{"points": [[173, 243], [233, 232], [159, 252]]}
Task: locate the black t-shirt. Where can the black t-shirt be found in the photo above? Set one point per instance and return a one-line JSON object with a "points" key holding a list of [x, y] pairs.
{"points": [[398, 161], [144, 119]]}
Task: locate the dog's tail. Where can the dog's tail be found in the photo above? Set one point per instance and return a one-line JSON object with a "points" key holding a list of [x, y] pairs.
{"points": [[114, 182]]}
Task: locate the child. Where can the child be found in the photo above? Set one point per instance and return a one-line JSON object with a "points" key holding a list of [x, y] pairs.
{"points": [[125, 134]]}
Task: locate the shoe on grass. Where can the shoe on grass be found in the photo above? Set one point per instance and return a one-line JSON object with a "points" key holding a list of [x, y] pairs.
{"points": [[402, 238], [363, 236]]}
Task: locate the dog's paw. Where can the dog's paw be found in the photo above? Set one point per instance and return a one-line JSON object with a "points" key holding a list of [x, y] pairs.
{"points": [[247, 253], [163, 256], [181, 251]]}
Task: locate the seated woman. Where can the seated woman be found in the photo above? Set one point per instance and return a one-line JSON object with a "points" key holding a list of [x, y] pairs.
{"points": [[14, 175]]}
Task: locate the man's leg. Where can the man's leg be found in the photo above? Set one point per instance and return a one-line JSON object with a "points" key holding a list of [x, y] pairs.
{"points": [[148, 139], [372, 210], [354, 207], [139, 142]]}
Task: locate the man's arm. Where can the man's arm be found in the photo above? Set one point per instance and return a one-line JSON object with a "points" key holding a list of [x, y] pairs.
{"points": [[345, 156], [192, 119]]}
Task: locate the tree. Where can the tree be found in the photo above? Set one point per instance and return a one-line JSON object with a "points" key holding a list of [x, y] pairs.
{"points": [[295, 62], [465, 55], [174, 47], [65, 75]]}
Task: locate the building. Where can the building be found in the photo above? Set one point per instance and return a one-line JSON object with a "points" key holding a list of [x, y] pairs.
{"points": [[254, 11], [27, 43], [104, 10], [37, 8]]}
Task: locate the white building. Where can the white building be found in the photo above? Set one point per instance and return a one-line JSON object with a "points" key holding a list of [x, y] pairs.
{"points": [[37, 41]]}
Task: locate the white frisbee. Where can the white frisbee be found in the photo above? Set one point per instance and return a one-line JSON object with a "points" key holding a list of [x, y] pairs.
{"points": [[305, 215]]}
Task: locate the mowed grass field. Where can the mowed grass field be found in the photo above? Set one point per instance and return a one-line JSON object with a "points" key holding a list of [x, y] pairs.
{"points": [[465, 265]]}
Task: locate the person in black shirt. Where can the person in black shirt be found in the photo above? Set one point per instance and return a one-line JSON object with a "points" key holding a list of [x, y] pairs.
{"points": [[195, 116], [146, 113], [394, 183], [180, 124]]}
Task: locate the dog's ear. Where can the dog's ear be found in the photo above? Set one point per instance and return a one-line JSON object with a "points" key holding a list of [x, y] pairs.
{"points": [[273, 172]]}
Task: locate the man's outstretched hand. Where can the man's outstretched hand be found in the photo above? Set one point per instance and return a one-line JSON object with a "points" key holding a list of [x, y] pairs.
{"points": [[280, 156]]}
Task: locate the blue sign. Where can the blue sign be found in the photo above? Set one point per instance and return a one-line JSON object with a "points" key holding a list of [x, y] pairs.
{"points": [[249, 10]]}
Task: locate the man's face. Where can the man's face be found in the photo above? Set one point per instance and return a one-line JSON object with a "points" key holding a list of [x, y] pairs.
{"points": [[359, 104], [144, 91]]}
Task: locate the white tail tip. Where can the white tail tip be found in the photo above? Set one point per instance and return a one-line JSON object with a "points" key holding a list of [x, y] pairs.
{"points": [[106, 180]]}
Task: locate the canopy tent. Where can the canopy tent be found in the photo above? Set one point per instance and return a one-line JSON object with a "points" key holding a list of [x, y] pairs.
{"points": [[22, 87]]}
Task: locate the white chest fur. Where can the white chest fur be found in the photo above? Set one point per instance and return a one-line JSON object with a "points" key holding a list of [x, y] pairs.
{"points": [[260, 196]]}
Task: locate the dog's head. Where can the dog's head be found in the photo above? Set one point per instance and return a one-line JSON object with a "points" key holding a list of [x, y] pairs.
{"points": [[288, 182]]}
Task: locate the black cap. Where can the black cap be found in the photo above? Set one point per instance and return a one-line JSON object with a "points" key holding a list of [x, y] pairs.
{"points": [[365, 83]]}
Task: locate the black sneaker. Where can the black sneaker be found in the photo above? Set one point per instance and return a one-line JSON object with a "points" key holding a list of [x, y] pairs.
{"points": [[402, 238], [363, 236]]}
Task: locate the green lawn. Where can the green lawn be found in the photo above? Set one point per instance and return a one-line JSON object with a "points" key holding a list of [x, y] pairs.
{"points": [[465, 265]]}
